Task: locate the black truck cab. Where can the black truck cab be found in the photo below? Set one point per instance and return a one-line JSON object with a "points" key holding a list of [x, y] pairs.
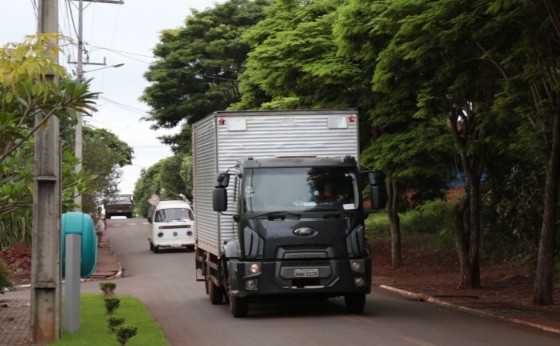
{"points": [[299, 229]]}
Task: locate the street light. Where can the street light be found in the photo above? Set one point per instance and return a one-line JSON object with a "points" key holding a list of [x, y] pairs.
{"points": [[79, 137], [104, 67]]}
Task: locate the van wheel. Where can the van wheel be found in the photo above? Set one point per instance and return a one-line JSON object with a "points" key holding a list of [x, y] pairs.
{"points": [[355, 302], [151, 246], [238, 306], [215, 293], [156, 249]]}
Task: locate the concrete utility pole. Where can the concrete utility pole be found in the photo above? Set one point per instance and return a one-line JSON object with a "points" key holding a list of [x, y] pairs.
{"points": [[79, 125], [45, 265]]}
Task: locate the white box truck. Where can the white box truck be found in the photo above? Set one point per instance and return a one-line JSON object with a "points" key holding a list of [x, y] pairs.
{"points": [[278, 206]]}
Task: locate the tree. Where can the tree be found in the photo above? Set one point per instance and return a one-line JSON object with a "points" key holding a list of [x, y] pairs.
{"points": [[104, 153], [530, 69], [147, 185], [294, 62], [27, 88], [198, 65], [405, 148], [440, 43]]}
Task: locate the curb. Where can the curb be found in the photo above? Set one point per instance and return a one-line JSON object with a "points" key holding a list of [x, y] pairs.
{"points": [[430, 299]]}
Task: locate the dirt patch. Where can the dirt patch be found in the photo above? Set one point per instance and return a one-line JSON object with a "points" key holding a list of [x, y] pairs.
{"points": [[18, 261], [507, 290]]}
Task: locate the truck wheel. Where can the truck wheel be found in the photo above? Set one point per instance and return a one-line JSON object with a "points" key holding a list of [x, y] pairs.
{"points": [[238, 306], [355, 302], [151, 246], [156, 249], [215, 293]]}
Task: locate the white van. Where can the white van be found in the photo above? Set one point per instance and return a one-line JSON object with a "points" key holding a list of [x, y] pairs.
{"points": [[171, 225]]}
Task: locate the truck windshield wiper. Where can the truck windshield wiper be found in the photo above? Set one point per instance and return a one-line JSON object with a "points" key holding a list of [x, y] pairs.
{"points": [[277, 215]]}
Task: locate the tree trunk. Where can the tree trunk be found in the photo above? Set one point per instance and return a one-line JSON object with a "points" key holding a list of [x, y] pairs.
{"points": [[475, 230], [544, 276], [461, 234], [394, 224], [467, 223]]}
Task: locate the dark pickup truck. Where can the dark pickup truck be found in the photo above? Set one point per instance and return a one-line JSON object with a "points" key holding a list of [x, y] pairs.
{"points": [[120, 205]]}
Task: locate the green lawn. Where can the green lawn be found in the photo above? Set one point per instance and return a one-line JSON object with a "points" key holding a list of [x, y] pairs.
{"points": [[94, 328]]}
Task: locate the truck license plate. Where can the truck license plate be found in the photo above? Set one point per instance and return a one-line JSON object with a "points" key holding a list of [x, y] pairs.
{"points": [[306, 273]]}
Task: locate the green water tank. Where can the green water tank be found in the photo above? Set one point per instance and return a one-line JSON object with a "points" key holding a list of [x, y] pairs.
{"points": [[76, 222]]}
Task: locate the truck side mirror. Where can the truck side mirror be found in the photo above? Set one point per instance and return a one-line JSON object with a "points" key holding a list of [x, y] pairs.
{"points": [[378, 190], [223, 180], [219, 199], [149, 219]]}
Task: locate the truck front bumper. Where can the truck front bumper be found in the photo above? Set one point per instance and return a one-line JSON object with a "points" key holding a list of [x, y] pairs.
{"points": [[329, 277]]}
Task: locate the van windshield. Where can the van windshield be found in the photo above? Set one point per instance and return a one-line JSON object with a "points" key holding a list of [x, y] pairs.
{"points": [[301, 189], [173, 214]]}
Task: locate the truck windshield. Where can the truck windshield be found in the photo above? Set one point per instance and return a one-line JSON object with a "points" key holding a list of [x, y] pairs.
{"points": [[301, 188]]}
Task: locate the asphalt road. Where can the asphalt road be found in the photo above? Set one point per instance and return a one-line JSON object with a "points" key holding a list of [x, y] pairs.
{"points": [[166, 283]]}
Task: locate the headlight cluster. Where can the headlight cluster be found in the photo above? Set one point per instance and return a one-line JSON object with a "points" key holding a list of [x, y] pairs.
{"points": [[253, 282]]}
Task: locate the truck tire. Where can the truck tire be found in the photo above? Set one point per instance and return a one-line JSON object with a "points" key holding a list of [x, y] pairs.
{"points": [[355, 302], [151, 247], [238, 306], [215, 293]]}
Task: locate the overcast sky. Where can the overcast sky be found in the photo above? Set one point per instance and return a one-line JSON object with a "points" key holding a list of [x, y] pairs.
{"points": [[116, 34]]}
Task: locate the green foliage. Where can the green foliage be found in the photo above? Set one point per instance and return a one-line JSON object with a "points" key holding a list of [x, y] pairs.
{"points": [[108, 288], [377, 225], [172, 181], [198, 65], [168, 178], [125, 333], [294, 62], [111, 304], [114, 323], [103, 154], [16, 227], [148, 184], [4, 282], [432, 217], [93, 324], [27, 90]]}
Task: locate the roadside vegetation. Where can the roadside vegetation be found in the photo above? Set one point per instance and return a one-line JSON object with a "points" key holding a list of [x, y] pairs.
{"points": [[450, 93], [94, 327], [26, 89]]}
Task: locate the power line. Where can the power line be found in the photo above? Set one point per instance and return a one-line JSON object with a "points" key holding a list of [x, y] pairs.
{"points": [[126, 107]]}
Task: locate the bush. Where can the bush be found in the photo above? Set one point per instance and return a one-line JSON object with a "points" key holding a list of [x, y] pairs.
{"points": [[432, 217], [108, 288], [377, 225], [4, 282], [111, 304]]}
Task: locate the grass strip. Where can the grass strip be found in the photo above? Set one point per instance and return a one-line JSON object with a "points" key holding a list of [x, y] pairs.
{"points": [[94, 328]]}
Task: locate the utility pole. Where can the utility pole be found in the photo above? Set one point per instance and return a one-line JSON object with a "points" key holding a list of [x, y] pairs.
{"points": [[45, 266], [80, 74], [79, 125]]}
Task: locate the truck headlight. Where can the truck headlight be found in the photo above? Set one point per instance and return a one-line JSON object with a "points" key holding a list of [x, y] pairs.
{"points": [[255, 268], [356, 266], [251, 284], [359, 281]]}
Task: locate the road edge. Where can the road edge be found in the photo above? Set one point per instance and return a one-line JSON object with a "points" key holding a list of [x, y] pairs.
{"points": [[430, 299]]}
